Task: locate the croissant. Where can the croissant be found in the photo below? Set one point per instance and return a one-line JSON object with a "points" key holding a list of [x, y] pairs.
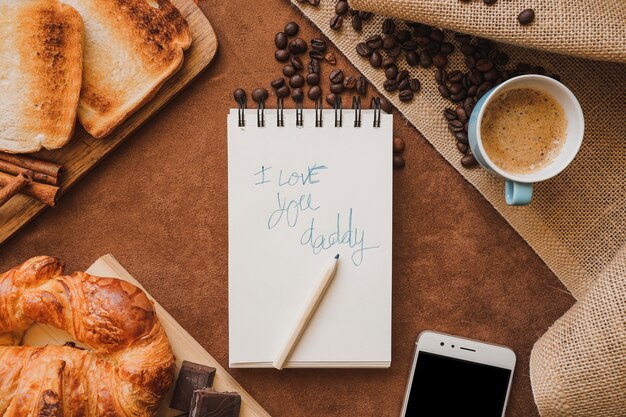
{"points": [[127, 368]]}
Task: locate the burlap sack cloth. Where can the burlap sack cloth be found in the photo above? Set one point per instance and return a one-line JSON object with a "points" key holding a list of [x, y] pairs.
{"points": [[577, 220]]}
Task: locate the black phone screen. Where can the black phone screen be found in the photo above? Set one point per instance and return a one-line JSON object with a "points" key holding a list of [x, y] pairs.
{"points": [[444, 386]]}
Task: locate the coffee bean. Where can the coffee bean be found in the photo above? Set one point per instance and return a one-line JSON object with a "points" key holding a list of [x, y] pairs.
{"points": [[409, 45], [314, 66], [422, 30], [314, 92], [297, 63], [282, 91], [331, 99], [406, 95], [391, 72], [337, 88], [336, 22], [483, 88], [376, 59], [289, 70], [502, 59], [398, 145], [292, 28], [297, 46], [259, 94], [356, 22], [455, 126], [281, 55], [455, 88], [395, 51], [336, 76], [389, 26], [468, 161], [441, 76], [363, 50], [463, 148], [389, 42], [415, 85], [390, 85], [425, 59], [455, 76], [411, 58], [281, 40], [386, 105], [423, 41], [311, 2], [330, 58], [402, 75], [342, 7], [297, 94], [277, 83], [526, 16], [433, 48], [470, 62], [458, 97], [460, 114], [484, 65], [462, 137], [440, 61], [312, 78], [476, 77], [318, 44], [436, 35], [472, 90], [446, 48], [443, 90], [490, 2], [404, 84], [462, 38], [349, 82], [403, 36], [296, 81], [316, 55], [240, 96], [361, 85], [398, 162], [491, 75], [449, 114], [374, 41], [467, 49], [365, 15]]}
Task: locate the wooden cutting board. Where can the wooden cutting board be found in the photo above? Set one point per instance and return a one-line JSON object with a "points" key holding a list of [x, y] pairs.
{"points": [[84, 152], [184, 346]]}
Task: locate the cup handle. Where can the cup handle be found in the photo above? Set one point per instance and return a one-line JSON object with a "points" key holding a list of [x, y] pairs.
{"points": [[518, 193]]}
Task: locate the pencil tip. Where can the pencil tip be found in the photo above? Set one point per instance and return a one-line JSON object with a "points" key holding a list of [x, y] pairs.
{"points": [[337, 256]]}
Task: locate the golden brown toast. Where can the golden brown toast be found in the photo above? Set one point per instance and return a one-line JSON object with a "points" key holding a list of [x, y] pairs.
{"points": [[41, 49], [131, 48]]}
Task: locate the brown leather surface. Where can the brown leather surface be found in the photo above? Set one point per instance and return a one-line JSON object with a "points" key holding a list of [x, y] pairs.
{"points": [[159, 205]]}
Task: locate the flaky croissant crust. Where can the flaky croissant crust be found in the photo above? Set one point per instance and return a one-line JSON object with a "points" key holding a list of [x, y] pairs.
{"points": [[127, 369]]}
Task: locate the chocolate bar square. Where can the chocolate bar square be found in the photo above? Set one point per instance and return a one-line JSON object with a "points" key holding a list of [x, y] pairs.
{"points": [[210, 403], [192, 377]]}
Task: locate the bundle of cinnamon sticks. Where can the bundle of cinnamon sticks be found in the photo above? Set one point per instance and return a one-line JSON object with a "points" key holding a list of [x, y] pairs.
{"points": [[32, 177]]}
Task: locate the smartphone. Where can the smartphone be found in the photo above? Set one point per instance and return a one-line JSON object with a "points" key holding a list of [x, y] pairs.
{"points": [[454, 376]]}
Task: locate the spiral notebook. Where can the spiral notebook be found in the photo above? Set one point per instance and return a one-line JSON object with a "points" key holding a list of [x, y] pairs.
{"points": [[303, 186]]}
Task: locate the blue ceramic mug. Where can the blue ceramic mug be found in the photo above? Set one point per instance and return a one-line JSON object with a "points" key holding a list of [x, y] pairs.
{"points": [[518, 188]]}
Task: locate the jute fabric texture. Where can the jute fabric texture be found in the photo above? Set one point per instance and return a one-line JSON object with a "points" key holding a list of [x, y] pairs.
{"points": [[576, 221], [583, 28]]}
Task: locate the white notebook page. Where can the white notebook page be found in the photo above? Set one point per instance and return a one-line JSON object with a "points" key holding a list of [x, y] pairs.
{"points": [[297, 196]]}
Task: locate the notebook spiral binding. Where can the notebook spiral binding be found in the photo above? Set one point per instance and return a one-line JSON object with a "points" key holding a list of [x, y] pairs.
{"points": [[319, 107]]}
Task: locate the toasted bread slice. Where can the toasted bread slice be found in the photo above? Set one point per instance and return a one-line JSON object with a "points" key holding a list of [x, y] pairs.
{"points": [[131, 48], [41, 49]]}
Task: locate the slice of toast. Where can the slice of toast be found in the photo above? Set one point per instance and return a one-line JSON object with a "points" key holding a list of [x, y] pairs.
{"points": [[131, 48], [41, 49]]}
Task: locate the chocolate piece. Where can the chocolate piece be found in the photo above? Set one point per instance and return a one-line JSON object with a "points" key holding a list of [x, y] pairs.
{"points": [[210, 403], [192, 377]]}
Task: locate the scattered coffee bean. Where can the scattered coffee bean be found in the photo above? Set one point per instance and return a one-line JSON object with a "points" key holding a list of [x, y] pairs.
{"points": [[455, 76], [471, 92], [402, 75], [349, 82], [336, 88], [390, 85], [491, 75], [282, 91], [297, 46], [440, 61], [376, 59], [259, 94], [468, 161], [357, 23], [386, 105], [314, 66], [277, 83], [361, 85], [455, 88], [484, 65], [330, 58], [363, 50], [409, 45], [281, 40], [441, 76], [292, 29], [389, 26], [398, 145], [297, 63], [342, 7], [455, 126], [403, 35], [390, 60], [240, 95], [412, 58], [406, 95], [297, 94], [526, 16], [391, 72], [374, 41], [460, 114], [296, 81], [462, 137], [336, 76], [502, 58], [433, 48], [415, 85], [312, 2], [490, 2], [289, 70], [314, 92], [281, 55], [449, 114], [336, 22], [463, 148], [331, 99], [365, 15], [404, 85], [316, 55], [443, 90], [318, 44], [458, 97], [425, 59], [446, 48], [398, 162], [313, 78]]}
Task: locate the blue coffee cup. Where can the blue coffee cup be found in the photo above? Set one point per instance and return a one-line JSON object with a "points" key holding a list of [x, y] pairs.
{"points": [[518, 188]]}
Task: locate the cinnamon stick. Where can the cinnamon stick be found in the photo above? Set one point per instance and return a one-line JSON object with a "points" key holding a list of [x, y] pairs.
{"points": [[48, 168], [13, 187], [45, 193], [13, 169]]}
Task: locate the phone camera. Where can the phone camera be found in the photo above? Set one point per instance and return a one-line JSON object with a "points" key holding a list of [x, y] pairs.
{"points": [[452, 346], [442, 343]]}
